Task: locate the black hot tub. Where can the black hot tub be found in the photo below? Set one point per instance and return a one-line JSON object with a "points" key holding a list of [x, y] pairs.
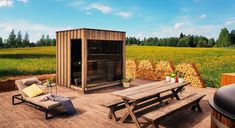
{"points": [[223, 107]]}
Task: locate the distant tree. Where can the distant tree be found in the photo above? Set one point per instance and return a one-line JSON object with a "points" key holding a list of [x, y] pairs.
{"points": [[190, 41], [182, 35], [42, 41], [32, 44], [5, 41], [224, 39], [132, 40], [19, 40], [211, 42], [182, 42], [26, 41], [48, 41], [186, 41], [195, 41], [11, 41], [151, 41], [1, 43], [53, 42], [6, 45], [233, 36], [202, 42], [127, 40]]}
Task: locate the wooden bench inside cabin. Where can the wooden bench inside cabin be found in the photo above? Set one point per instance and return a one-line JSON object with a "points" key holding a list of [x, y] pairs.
{"points": [[78, 79], [158, 116]]}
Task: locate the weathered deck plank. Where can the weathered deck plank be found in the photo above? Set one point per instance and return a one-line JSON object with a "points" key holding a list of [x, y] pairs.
{"points": [[91, 113]]}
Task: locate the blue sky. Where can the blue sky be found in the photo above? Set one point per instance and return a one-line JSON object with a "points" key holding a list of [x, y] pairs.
{"points": [[140, 18]]}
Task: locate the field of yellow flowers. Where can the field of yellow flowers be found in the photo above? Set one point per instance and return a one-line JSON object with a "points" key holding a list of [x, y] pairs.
{"points": [[211, 62]]}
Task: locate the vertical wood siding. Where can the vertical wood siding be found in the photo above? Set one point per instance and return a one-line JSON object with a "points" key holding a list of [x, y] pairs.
{"points": [[68, 67], [63, 51]]}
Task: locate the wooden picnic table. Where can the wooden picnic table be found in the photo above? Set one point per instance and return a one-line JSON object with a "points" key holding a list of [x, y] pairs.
{"points": [[132, 96]]}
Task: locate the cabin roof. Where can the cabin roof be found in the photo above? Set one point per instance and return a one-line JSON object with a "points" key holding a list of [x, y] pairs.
{"points": [[90, 29]]}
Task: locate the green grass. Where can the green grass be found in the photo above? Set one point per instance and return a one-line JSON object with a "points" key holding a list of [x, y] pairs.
{"points": [[23, 61], [211, 62]]}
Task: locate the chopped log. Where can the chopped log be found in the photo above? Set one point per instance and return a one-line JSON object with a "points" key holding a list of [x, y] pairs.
{"points": [[164, 67], [191, 74], [146, 64], [131, 67]]}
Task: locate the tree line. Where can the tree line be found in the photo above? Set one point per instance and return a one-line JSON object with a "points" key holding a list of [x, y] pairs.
{"points": [[17, 41], [225, 39]]}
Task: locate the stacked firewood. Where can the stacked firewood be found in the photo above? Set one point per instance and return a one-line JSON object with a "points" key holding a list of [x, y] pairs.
{"points": [[163, 68], [146, 70], [131, 67], [191, 74]]}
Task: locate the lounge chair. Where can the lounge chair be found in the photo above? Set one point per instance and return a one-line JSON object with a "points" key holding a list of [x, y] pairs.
{"points": [[46, 106]]}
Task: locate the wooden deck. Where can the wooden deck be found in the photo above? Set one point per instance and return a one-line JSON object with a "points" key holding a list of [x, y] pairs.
{"points": [[91, 114]]}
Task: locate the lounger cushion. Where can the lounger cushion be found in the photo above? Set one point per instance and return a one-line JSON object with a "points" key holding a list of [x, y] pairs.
{"points": [[46, 104], [30, 81], [32, 91]]}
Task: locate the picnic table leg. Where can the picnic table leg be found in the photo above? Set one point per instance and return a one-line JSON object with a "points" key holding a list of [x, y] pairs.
{"points": [[112, 114], [127, 113], [198, 106], [175, 93], [158, 97], [130, 112]]}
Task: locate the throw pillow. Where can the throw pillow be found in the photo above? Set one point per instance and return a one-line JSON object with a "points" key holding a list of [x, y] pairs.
{"points": [[32, 91]]}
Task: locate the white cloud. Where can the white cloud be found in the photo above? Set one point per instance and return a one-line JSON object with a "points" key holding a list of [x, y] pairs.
{"points": [[188, 25], [23, 1], [87, 8], [125, 14], [100, 7], [178, 25], [35, 30], [75, 3], [203, 16], [229, 22], [140, 36], [210, 31], [6, 3]]}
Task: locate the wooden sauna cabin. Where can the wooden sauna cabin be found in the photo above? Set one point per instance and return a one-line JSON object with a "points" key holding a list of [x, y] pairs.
{"points": [[89, 59]]}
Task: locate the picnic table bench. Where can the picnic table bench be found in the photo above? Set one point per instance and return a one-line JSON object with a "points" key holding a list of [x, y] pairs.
{"points": [[159, 115]]}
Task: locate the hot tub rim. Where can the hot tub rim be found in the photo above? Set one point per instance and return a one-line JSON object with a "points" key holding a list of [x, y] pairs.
{"points": [[220, 110]]}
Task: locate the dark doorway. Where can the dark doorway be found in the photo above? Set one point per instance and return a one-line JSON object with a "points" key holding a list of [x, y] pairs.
{"points": [[76, 62]]}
